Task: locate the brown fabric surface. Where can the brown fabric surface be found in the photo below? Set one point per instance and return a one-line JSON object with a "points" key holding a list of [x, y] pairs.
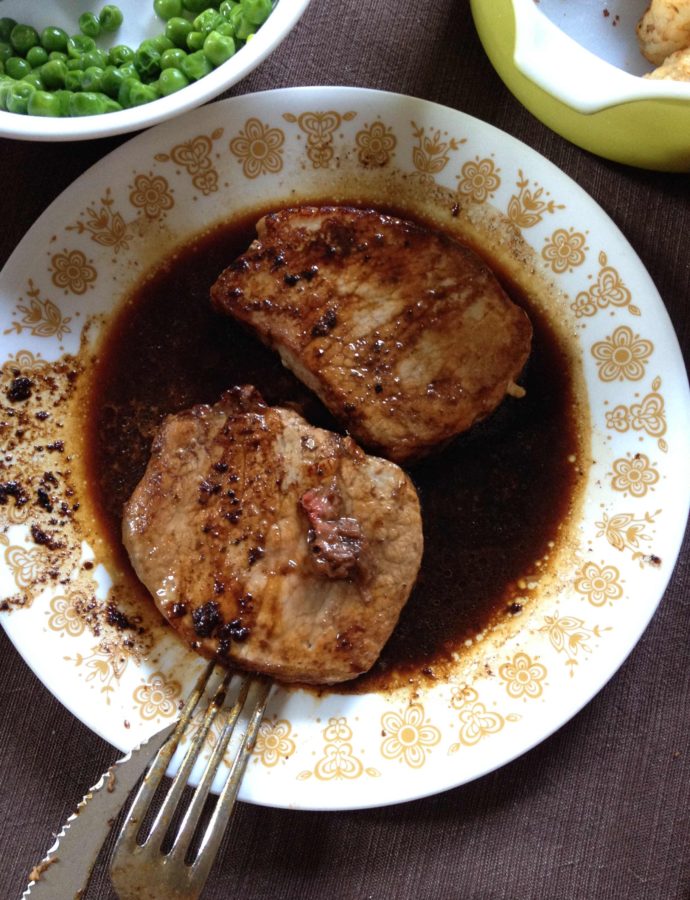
{"points": [[602, 808]]}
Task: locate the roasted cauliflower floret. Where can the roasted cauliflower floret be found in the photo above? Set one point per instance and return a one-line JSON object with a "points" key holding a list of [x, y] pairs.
{"points": [[664, 29]]}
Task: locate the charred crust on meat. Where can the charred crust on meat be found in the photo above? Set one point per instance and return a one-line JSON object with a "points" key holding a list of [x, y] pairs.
{"points": [[220, 467], [254, 554], [177, 610], [15, 490], [291, 279], [206, 619], [326, 323], [310, 273]]}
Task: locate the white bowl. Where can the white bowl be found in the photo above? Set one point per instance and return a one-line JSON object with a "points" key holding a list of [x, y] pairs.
{"points": [[140, 22]]}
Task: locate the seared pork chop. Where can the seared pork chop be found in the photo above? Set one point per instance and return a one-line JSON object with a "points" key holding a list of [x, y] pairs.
{"points": [[405, 335], [272, 545]]}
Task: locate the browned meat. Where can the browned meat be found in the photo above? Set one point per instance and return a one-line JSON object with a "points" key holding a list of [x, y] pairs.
{"points": [[405, 335], [275, 546]]}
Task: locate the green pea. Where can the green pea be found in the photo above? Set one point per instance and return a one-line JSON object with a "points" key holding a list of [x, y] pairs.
{"points": [[195, 40], [245, 28], [22, 38], [142, 93], [196, 6], [172, 80], [256, 11], [147, 60], [172, 59], [58, 54], [63, 99], [86, 103], [167, 9], [79, 44], [110, 18], [2, 68], [111, 105], [93, 79], [89, 24], [226, 29], [76, 63], [218, 48], [111, 80], [95, 57], [18, 96], [54, 38], [43, 103], [129, 70], [6, 26], [73, 80], [162, 43], [226, 7], [5, 85], [34, 77], [196, 65], [125, 90], [36, 56], [207, 21], [16, 67], [6, 51], [120, 55], [177, 29], [53, 74]]}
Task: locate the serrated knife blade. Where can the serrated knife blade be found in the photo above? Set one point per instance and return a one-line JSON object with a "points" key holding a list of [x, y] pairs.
{"points": [[64, 871]]}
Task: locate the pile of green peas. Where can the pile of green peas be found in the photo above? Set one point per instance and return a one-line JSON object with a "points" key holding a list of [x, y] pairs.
{"points": [[52, 73]]}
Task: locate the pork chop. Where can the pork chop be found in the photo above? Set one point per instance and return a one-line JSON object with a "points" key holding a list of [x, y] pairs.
{"points": [[406, 336], [273, 545]]}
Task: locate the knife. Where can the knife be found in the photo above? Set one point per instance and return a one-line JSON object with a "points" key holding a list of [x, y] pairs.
{"points": [[64, 871]]}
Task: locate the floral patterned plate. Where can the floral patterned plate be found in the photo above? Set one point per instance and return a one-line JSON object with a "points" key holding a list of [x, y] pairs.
{"points": [[513, 686]]}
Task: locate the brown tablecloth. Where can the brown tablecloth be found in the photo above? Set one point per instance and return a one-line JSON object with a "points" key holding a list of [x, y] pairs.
{"points": [[602, 808]]}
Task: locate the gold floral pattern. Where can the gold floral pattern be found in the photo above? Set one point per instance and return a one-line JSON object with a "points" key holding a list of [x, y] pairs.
{"points": [[529, 206], [609, 290], [41, 318], [152, 195], [626, 531], [523, 676], [194, 156], [259, 148], [104, 665], [634, 475], [72, 272], [622, 356], [570, 636], [338, 761], [648, 415], [408, 736], [598, 584], [320, 128], [25, 565], [478, 180], [565, 250], [158, 697], [105, 225], [65, 617], [375, 144], [476, 721], [432, 151], [273, 742]]}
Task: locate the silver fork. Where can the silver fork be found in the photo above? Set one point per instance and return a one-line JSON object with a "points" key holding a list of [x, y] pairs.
{"points": [[143, 871]]}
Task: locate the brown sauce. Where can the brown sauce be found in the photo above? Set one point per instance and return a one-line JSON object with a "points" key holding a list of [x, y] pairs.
{"points": [[492, 501]]}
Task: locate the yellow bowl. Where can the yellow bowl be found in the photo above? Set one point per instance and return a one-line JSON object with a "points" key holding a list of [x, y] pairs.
{"points": [[585, 99]]}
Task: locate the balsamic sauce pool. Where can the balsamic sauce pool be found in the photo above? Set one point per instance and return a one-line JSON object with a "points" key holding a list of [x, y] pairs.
{"points": [[492, 501]]}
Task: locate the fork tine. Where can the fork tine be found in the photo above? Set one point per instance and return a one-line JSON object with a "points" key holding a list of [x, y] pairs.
{"points": [[167, 809], [226, 801], [127, 838], [191, 817]]}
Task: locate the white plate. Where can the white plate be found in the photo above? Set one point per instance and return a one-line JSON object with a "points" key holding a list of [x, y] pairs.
{"points": [[339, 751]]}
